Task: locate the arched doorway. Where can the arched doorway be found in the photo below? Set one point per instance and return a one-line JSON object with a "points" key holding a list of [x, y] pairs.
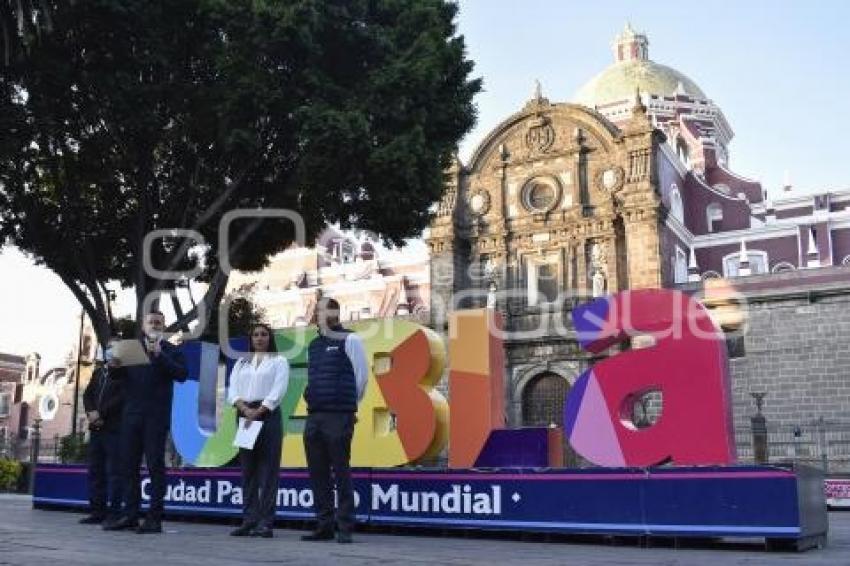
{"points": [[543, 399]]}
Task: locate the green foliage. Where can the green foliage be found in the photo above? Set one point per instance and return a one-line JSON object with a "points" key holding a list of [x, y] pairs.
{"points": [[242, 313], [125, 327], [10, 473], [22, 23], [132, 116], [73, 448]]}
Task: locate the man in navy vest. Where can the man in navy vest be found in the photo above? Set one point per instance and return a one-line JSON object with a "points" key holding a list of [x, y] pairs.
{"points": [[147, 417], [337, 372]]}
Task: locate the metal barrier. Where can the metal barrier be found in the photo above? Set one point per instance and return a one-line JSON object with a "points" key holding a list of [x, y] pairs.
{"points": [[819, 443]]}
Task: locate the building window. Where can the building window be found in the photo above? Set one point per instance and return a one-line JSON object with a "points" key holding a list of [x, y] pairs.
{"points": [[782, 267], [714, 217], [757, 260], [24, 421], [367, 251], [683, 152], [735, 346], [547, 282], [348, 251], [677, 209], [680, 266], [542, 282], [5, 404]]}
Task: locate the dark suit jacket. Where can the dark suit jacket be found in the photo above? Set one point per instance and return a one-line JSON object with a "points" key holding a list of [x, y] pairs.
{"points": [[148, 389], [105, 394]]}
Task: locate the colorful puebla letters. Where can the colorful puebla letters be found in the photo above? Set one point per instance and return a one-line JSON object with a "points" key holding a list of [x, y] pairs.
{"points": [[475, 383], [686, 363], [403, 419]]}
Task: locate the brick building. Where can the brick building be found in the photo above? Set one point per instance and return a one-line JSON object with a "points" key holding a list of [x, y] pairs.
{"points": [[368, 279], [12, 374], [28, 393]]}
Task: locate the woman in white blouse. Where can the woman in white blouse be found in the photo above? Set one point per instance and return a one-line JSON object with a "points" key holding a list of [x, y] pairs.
{"points": [[257, 385]]}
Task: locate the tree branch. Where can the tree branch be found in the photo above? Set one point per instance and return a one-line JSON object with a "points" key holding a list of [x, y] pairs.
{"points": [[213, 209], [212, 296]]}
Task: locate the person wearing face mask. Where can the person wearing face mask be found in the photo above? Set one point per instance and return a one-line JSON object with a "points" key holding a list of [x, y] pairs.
{"points": [[148, 390], [258, 382], [103, 400]]}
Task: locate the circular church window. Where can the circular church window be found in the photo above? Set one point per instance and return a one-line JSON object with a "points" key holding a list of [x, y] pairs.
{"points": [[49, 406], [540, 196], [478, 203]]}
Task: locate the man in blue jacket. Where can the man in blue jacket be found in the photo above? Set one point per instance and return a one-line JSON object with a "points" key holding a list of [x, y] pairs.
{"points": [[337, 371], [147, 416]]}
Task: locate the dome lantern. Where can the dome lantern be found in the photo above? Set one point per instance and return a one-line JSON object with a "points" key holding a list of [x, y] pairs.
{"points": [[631, 46]]}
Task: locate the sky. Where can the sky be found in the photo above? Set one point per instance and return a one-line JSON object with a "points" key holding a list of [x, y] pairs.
{"points": [[778, 69]]}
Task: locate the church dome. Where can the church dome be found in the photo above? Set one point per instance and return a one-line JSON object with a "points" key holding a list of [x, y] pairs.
{"points": [[633, 70]]}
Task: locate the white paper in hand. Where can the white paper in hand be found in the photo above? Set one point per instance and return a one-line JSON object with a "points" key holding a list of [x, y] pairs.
{"points": [[246, 437], [130, 352]]}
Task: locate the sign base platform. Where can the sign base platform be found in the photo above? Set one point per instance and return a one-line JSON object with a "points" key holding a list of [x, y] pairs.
{"points": [[785, 506]]}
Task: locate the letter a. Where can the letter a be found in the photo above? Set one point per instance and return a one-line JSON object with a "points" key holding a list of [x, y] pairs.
{"points": [[687, 364]]}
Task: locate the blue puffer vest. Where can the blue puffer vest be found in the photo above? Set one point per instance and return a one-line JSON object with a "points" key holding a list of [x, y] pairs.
{"points": [[331, 384]]}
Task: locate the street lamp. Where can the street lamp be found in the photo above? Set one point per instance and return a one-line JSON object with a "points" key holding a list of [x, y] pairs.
{"points": [[77, 377], [110, 296], [183, 283]]}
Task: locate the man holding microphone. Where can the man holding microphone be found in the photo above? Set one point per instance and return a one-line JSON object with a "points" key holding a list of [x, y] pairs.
{"points": [[147, 417]]}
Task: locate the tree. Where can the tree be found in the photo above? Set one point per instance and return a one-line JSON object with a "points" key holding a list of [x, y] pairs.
{"points": [[125, 327], [132, 116], [242, 314], [22, 22]]}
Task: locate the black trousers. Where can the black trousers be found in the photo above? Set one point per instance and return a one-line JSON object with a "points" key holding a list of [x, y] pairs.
{"points": [[104, 478], [144, 435], [327, 442], [260, 473]]}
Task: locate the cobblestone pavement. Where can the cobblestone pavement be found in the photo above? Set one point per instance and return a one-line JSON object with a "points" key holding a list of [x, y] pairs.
{"points": [[35, 537]]}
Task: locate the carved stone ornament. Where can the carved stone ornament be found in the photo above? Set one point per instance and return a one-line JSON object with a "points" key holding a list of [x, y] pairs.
{"points": [[610, 178], [598, 256], [540, 136], [479, 202]]}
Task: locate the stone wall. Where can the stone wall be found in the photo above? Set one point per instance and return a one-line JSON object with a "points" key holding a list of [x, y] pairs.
{"points": [[797, 349]]}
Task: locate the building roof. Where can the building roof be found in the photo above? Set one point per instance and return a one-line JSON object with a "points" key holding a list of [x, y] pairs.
{"points": [[12, 359], [634, 70]]}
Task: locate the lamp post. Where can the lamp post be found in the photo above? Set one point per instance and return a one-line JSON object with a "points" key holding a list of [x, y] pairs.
{"points": [[77, 378], [35, 448], [758, 424], [183, 283], [110, 296]]}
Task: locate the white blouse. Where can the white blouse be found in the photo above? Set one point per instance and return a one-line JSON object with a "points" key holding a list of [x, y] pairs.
{"points": [[266, 382]]}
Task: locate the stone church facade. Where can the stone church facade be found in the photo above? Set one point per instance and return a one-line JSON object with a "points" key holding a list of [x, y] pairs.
{"points": [[627, 187], [557, 205]]}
